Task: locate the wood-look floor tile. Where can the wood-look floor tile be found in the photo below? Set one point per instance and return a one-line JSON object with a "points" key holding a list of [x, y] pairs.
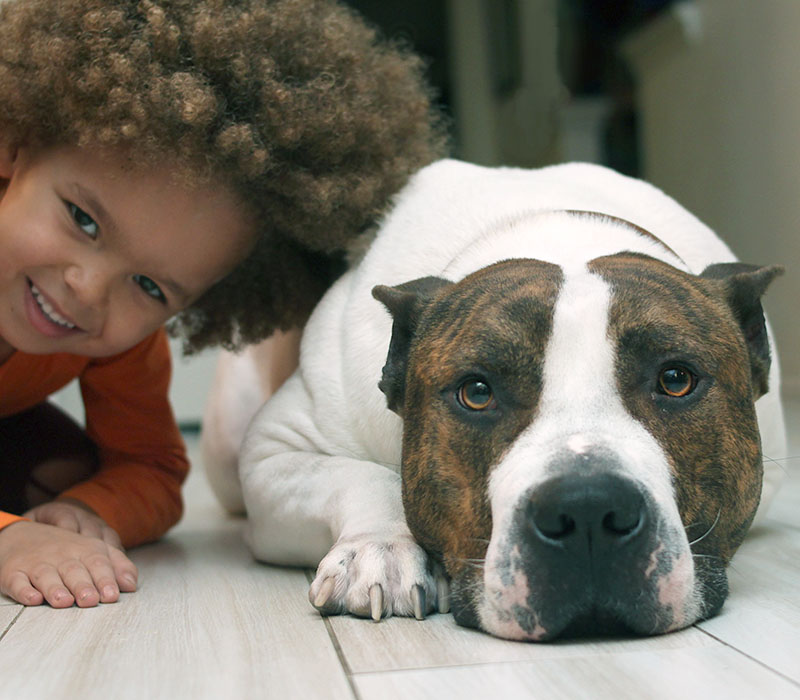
{"points": [[689, 674]]}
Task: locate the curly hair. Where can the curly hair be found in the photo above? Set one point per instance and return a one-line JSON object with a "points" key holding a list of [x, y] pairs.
{"points": [[311, 117]]}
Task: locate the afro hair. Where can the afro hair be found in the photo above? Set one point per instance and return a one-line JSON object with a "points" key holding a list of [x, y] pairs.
{"points": [[313, 119]]}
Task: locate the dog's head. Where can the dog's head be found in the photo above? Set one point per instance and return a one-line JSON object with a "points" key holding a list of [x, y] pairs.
{"points": [[580, 447]]}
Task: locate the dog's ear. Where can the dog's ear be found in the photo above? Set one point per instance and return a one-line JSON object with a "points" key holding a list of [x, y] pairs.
{"points": [[743, 286], [405, 303]]}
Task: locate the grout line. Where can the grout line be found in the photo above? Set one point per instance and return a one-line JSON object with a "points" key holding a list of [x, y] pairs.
{"points": [[763, 664], [337, 648], [11, 624]]}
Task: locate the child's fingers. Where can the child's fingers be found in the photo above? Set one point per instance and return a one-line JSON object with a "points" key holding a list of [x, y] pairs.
{"points": [[91, 581], [46, 579], [46, 562], [104, 578], [125, 571], [18, 586]]}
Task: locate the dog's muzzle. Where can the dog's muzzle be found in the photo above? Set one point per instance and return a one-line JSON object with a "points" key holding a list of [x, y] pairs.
{"points": [[586, 551]]}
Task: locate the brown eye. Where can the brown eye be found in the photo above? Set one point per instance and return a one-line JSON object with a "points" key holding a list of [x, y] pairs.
{"points": [[475, 395], [676, 381]]}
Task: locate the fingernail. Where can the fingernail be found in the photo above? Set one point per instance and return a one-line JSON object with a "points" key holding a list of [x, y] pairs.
{"points": [[62, 599], [129, 580], [109, 592]]}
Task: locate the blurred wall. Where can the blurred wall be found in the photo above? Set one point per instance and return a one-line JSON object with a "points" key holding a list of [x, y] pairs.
{"points": [[505, 87], [719, 99]]}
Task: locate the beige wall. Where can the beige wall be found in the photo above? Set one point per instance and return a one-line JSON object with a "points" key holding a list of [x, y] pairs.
{"points": [[720, 97]]}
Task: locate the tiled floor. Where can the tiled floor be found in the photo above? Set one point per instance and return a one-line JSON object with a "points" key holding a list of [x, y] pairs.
{"points": [[208, 622]]}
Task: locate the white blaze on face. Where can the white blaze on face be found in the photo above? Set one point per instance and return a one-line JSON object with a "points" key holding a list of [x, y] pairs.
{"points": [[580, 411]]}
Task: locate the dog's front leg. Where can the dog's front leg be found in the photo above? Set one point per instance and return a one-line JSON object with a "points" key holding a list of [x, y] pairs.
{"points": [[305, 508]]}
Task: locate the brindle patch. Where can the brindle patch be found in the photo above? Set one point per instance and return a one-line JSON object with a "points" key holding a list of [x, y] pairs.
{"points": [[493, 325], [662, 317]]}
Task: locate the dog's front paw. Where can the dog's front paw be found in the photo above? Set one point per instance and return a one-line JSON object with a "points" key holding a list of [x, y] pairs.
{"points": [[379, 576]]}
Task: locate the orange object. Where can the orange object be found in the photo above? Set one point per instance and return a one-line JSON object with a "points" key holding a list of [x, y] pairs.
{"points": [[143, 458]]}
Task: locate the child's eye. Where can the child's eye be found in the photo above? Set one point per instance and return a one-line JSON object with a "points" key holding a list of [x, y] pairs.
{"points": [[150, 288], [86, 223]]}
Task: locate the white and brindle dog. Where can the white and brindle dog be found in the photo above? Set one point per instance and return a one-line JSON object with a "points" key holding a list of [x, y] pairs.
{"points": [[569, 425]]}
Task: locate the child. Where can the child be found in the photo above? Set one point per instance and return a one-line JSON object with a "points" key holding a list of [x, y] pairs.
{"points": [[205, 161]]}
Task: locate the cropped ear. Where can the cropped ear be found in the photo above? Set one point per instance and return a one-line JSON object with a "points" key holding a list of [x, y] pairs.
{"points": [[405, 303], [743, 286]]}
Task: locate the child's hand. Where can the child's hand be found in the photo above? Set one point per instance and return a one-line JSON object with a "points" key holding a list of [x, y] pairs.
{"points": [[41, 563], [74, 516]]}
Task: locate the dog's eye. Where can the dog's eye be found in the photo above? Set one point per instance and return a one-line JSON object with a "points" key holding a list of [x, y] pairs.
{"points": [[676, 381], [476, 395]]}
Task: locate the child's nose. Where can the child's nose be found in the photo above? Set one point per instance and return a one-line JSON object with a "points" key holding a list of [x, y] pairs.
{"points": [[89, 283]]}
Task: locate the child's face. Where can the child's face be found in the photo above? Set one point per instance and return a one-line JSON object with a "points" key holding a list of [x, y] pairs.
{"points": [[94, 255]]}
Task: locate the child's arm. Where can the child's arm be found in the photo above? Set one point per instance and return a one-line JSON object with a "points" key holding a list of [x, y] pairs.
{"points": [[44, 563], [143, 462], [136, 492]]}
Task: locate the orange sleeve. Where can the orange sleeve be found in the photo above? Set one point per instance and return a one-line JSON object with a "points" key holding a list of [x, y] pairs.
{"points": [[8, 518], [143, 461]]}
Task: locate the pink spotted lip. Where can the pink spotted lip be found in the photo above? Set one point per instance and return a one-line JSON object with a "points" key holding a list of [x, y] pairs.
{"points": [[44, 316]]}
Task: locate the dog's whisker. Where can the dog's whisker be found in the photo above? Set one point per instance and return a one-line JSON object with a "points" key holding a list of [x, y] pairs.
{"points": [[481, 540], [473, 563], [707, 532], [780, 461], [705, 556]]}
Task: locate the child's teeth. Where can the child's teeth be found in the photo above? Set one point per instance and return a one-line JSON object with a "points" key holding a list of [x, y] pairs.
{"points": [[48, 311]]}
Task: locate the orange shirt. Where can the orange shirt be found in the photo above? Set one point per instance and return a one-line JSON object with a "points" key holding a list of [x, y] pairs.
{"points": [[142, 454]]}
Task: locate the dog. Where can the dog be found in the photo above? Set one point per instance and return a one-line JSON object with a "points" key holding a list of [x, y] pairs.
{"points": [[540, 399]]}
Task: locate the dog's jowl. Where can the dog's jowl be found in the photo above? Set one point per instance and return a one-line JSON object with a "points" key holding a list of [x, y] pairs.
{"points": [[551, 389]]}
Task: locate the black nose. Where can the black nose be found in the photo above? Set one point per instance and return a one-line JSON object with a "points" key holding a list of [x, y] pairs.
{"points": [[593, 512], [587, 541]]}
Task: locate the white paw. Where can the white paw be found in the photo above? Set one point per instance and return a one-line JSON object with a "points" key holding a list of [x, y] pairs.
{"points": [[379, 576]]}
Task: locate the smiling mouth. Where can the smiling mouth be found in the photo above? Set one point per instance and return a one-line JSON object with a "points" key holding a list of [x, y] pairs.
{"points": [[47, 310]]}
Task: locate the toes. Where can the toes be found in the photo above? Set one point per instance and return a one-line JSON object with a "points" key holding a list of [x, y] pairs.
{"points": [[377, 580]]}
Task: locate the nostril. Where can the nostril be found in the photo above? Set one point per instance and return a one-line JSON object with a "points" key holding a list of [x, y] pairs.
{"points": [[555, 527], [622, 523]]}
